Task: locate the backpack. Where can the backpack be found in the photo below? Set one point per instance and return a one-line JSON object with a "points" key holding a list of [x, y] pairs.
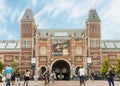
{"points": [[111, 73]]}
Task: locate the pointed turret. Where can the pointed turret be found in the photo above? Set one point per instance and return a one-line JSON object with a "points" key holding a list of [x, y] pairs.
{"points": [[28, 29], [93, 31], [93, 16], [28, 15]]}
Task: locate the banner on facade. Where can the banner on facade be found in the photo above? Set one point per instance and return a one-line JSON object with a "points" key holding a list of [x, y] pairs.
{"points": [[33, 60]]}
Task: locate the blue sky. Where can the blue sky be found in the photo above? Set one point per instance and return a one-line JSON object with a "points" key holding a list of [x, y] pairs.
{"points": [[62, 14]]}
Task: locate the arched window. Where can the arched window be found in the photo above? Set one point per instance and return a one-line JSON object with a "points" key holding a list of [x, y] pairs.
{"points": [[43, 69], [77, 70]]}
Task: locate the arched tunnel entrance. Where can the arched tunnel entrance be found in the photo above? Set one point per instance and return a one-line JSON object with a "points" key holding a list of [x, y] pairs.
{"points": [[62, 70]]}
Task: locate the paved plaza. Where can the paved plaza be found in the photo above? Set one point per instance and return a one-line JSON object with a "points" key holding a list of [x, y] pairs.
{"points": [[68, 83], [88, 83]]}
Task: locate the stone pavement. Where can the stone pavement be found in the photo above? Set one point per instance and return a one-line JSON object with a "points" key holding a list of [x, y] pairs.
{"points": [[31, 83], [69, 83], [88, 83]]}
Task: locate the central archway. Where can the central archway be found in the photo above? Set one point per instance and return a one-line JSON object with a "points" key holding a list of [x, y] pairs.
{"points": [[62, 70]]}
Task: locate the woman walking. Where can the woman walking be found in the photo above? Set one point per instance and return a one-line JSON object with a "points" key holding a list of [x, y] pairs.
{"points": [[26, 77]]}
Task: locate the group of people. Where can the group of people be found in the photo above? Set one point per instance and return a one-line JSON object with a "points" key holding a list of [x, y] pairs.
{"points": [[11, 76], [14, 76], [48, 77], [110, 74]]}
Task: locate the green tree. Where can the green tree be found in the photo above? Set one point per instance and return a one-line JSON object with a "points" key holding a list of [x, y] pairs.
{"points": [[105, 66], [118, 67], [14, 65], [1, 67]]}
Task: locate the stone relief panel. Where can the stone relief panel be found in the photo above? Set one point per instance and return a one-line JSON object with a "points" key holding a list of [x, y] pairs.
{"points": [[9, 58], [78, 51], [42, 58], [43, 51], [79, 59], [17, 58]]}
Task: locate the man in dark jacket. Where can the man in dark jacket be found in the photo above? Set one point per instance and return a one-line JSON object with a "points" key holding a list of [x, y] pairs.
{"points": [[110, 74]]}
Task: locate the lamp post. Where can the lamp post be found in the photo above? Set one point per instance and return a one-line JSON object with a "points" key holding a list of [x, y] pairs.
{"points": [[36, 58], [33, 65], [88, 65]]}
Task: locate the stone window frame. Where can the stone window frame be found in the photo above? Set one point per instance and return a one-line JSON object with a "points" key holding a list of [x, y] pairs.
{"points": [[95, 43], [26, 43]]}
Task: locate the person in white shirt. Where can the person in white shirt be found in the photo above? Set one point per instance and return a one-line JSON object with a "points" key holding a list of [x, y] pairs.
{"points": [[26, 77], [53, 76], [82, 76]]}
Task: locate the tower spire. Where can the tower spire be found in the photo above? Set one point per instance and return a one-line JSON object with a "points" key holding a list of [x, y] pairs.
{"points": [[93, 16], [28, 15]]}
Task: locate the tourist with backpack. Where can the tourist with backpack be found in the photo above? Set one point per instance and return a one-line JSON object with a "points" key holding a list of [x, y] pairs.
{"points": [[110, 74]]}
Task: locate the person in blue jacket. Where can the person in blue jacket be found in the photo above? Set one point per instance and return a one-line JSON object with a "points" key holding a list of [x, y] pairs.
{"points": [[8, 72]]}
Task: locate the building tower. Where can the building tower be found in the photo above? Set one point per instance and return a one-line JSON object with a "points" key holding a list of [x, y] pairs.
{"points": [[93, 32], [27, 39]]}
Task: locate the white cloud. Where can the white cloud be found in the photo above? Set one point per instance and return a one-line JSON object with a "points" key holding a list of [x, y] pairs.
{"points": [[14, 14], [74, 9], [7, 16], [66, 11], [3, 11], [32, 3], [110, 20], [8, 35]]}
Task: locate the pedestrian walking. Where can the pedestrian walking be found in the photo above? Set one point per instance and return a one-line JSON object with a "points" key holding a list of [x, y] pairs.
{"points": [[13, 78], [47, 78], [53, 76], [17, 77], [26, 77], [8, 72], [110, 74], [92, 75], [82, 76], [3, 78]]}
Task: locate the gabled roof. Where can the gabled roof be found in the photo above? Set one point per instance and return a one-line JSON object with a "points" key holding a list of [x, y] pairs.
{"points": [[12, 45], [110, 44], [93, 16], [28, 15]]}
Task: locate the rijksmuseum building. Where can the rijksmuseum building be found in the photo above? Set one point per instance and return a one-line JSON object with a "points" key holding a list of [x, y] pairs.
{"points": [[61, 50]]}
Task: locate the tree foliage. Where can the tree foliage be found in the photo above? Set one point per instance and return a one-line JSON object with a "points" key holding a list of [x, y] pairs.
{"points": [[118, 67], [105, 66], [14, 65], [1, 67]]}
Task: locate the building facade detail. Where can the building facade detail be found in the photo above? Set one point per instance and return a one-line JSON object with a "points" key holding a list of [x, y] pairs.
{"points": [[61, 50]]}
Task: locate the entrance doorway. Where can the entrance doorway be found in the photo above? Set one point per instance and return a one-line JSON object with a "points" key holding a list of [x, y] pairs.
{"points": [[62, 70]]}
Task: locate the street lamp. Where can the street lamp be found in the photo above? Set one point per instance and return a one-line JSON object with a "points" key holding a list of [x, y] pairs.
{"points": [[33, 65], [88, 64]]}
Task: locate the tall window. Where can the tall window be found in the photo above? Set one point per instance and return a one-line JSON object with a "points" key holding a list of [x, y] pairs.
{"points": [[95, 43], [26, 43]]}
